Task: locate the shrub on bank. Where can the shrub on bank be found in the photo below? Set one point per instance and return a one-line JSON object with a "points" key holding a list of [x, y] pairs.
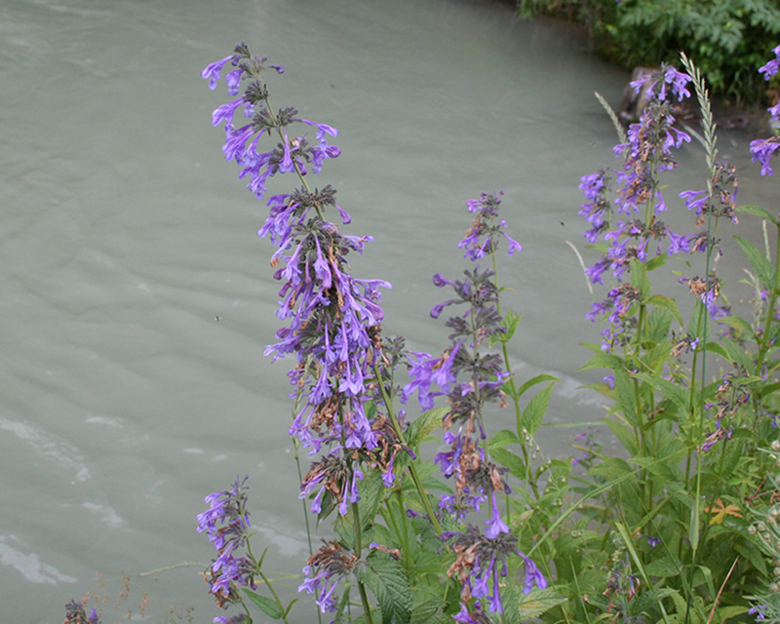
{"points": [[726, 39]]}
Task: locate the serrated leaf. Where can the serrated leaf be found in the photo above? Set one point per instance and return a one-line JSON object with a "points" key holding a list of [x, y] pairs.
{"points": [[761, 266], [534, 412], [626, 395], [602, 360], [649, 599], [757, 211], [269, 607], [737, 354], [510, 321], [624, 434], [769, 389], [386, 579], [669, 304], [537, 602], [505, 437], [670, 390], [612, 468], [427, 606], [663, 567], [510, 460], [535, 380], [737, 322], [372, 493], [717, 349], [659, 321], [428, 421]]}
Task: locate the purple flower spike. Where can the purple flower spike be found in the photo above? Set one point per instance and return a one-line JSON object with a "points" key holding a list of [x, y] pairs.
{"points": [[495, 526]]}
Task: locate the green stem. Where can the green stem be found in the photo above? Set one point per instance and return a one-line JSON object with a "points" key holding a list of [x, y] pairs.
{"points": [[513, 389], [357, 537], [764, 342], [399, 432], [275, 595]]}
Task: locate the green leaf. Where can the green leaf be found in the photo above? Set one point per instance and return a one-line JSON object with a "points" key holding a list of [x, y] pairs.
{"points": [[717, 349], [659, 321], [769, 389], [670, 390], [602, 360], [761, 266], [738, 323], [655, 262], [611, 468], [503, 438], [510, 460], [427, 606], [663, 567], [624, 434], [386, 579], [669, 304], [757, 211], [510, 321], [751, 554], [269, 607], [535, 603], [427, 422], [627, 396], [737, 354], [535, 380], [534, 412], [372, 494]]}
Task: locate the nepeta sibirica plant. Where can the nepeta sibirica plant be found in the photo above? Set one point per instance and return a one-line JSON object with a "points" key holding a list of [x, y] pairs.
{"points": [[692, 400], [672, 528], [415, 554]]}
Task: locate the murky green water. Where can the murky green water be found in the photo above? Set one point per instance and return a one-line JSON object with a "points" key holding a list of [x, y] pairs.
{"points": [[136, 298]]}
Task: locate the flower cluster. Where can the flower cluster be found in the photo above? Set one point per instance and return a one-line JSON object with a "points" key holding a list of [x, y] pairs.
{"points": [[471, 380], [76, 614], [291, 153], [640, 234], [226, 522], [480, 559], [762, 150], [329, 565], [481, 375], [332, 318]]}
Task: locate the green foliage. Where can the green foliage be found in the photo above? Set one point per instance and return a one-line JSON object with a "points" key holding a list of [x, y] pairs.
{"points": [[727, 39], [383, 575]]}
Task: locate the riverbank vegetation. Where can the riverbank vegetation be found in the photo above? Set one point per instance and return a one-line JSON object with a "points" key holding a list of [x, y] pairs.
{"points": [[726, 39], [439, 516]]}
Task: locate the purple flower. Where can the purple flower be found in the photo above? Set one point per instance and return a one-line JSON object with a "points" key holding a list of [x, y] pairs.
{"points": [[770, 69], [759, 610], [692, 202], [652, 541], [532, 576], [212, 71], [762, 151], [495, 525], [325, 569], [76, 614], [678, 81]]}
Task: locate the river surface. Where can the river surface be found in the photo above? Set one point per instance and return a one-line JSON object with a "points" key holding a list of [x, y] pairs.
{"points": [[136, 298]]}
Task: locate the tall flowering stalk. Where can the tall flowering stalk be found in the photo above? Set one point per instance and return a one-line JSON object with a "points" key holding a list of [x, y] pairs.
{"points": [[471, 380], [332, 319]]}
